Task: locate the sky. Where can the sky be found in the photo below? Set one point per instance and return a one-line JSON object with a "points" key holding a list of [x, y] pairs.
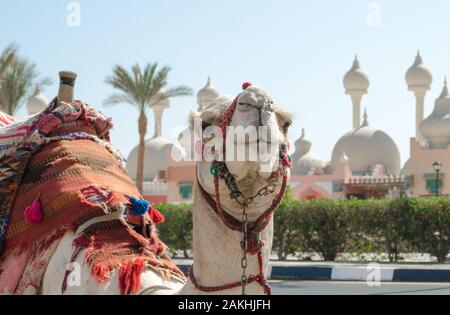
{"points": [[298, 50]]}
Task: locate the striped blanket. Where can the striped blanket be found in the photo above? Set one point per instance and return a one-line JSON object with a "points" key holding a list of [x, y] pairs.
{"points": [[6, 119], [62, 157]]}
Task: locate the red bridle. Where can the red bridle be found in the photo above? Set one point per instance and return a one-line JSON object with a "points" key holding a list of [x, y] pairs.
{"points": [[254, 244]]}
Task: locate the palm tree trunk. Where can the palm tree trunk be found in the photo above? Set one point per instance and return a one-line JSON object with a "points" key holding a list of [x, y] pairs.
{"points": [[141, 153]]}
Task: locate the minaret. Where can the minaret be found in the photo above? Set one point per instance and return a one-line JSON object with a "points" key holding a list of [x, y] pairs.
{"points": [[419, 79], [207, 95], [356, 84], [158, 105]]}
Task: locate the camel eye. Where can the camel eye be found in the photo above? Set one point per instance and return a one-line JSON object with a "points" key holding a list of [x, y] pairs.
{"points": [[286, 127]]}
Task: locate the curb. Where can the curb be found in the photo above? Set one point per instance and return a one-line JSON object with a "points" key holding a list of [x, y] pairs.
{"points": [[370, 272]]}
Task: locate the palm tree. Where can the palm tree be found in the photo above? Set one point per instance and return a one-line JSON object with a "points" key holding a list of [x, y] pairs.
{"points": [[18, 80], [140, 87], [7, 56]]}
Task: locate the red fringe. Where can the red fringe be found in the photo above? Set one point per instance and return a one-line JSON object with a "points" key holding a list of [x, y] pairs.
{"points": [[130, 276], [102, 272]]}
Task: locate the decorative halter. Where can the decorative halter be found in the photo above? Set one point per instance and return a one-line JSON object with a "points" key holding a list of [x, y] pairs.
{"points": [[251, 242]]}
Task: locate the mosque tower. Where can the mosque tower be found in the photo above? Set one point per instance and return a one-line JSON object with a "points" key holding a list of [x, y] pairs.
{"points": [[158, 104], [207, 95], [356, 84], [419, 79]]}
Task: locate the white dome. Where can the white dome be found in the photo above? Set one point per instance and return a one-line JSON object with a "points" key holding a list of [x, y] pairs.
{"points": [[207, 95], [356, 79], [36, 103], [419, 75], [156, 159], [302, 145], [436, 128], [366, 147], [160, 99], [304, 161], [407, 168]]}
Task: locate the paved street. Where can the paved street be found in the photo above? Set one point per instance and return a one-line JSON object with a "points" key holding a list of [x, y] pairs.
{"points": [[353, 288]]}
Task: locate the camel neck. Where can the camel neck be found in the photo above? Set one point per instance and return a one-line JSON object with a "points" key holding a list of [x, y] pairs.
{"points": [[217, 252]]}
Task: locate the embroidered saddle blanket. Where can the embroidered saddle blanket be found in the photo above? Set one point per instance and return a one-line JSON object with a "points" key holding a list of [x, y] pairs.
{"points": [[62, 157]]}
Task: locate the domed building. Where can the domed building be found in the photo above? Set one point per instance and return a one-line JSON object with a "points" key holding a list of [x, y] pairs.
{"points": [[433, 147], [37, 102], [367, 147], [356, 84], [436, 128], [157, 151], [304, 162], [419, 80], [207, 95], [157, 148], [167, 179], [365, 162]]}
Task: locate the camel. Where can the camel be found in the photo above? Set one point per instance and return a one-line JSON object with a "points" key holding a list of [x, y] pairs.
{"points": [[230, 258]]}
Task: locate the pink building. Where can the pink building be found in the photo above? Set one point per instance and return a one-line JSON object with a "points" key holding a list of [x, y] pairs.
{"points": [[433, 146]]}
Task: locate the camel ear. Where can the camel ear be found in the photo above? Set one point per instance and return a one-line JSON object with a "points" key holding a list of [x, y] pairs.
{"points": [[284, 117]]}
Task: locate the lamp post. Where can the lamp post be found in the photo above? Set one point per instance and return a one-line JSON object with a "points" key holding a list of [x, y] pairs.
{"points": [[437, 168]]}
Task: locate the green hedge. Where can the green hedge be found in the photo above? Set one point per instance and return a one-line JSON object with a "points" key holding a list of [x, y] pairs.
{"points": [[333, 227]]}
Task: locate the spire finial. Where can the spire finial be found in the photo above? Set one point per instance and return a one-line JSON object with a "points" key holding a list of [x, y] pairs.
{"points": [[419, 59], [444, 89], [366, 119], [355, 63], [303, 132]]}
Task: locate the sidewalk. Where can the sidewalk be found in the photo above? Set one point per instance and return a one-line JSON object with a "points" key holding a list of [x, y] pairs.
{"points": [[324, 271]]}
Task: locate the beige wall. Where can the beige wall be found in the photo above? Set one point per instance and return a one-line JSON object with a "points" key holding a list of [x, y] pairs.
{"points": [[179, 172], [421, 163]]}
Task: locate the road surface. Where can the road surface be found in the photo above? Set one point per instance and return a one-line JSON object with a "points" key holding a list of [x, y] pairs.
{"points": [[357, 288]]}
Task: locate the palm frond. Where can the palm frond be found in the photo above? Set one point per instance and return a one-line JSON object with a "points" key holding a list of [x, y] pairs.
{"points": [[179, 91], [17, 84], [118, 98], [7, 57], [140, 85]]}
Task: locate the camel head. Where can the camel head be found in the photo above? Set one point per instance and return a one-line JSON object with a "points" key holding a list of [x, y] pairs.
{"points": [[246, 136]]}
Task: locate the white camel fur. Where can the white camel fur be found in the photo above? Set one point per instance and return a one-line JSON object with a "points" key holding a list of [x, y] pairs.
{"points": [[216, 249]]}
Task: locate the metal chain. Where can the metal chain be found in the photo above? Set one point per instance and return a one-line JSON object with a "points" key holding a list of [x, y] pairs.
{"points": [[244, 245], [235, 192]]}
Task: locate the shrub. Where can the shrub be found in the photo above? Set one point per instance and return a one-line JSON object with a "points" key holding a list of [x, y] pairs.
{"points": [[331, 227], [176, 231], [323, 226], [430, 230], [381, 226], [286, 238]]}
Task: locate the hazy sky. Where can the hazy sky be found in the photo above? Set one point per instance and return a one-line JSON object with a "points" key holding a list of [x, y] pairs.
{"points": [[298, 50]]}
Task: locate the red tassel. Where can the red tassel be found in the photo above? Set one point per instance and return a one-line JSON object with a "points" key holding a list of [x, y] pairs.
{"points": [[33, 213], [130, 276], [156, 216]]}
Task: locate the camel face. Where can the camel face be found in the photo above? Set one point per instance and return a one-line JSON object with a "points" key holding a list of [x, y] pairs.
{"points": [[255, 141]]}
